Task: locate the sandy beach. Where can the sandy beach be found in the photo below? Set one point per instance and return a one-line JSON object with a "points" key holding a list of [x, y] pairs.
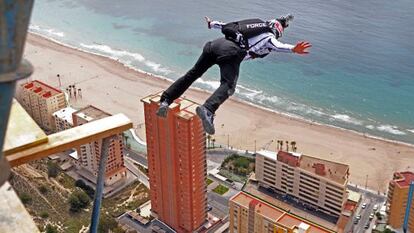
{"points": [[115, 88]]}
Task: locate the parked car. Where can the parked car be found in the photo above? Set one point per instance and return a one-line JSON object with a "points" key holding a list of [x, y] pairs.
{"points": [[375, 207], [356, 221], [371, 216], [358, 217], [366, 225], [364, 205]]}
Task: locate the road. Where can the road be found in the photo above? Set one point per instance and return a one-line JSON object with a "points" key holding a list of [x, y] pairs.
{"points": [[129, 163], [371, 199], [139, 158]]}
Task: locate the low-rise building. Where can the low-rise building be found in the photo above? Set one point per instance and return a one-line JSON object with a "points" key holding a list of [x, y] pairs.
{"points": [[250, 214], [63, 118], [319, 183], [397, 199]]}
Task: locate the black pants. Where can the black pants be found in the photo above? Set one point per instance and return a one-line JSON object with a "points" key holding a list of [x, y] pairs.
{"points": [[228, 56]]}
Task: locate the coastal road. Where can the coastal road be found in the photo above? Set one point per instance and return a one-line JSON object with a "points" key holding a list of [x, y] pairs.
{"points": [[139, 158], [129, 163]]}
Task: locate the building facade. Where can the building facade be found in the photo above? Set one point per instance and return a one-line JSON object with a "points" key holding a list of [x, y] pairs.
{"points": [[249, 214], [176, 164], [89, 154], [397, 199], [319, 183], [63, 118], [41, 101]]}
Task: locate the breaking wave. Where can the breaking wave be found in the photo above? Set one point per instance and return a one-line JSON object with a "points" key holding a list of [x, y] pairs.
{"points": [[346, 118], [46, 31], [126, 57], [390, 129]]}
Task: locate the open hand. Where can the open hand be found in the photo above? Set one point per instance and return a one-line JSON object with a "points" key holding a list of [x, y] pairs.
{"points": [[301, 47], [208, 20]]}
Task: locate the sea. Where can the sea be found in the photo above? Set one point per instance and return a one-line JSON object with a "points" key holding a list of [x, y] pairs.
{"points": [[359, 75]]}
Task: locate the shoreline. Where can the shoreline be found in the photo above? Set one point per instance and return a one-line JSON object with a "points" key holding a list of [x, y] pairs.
{"points": [[124, 86], [232, 98]]}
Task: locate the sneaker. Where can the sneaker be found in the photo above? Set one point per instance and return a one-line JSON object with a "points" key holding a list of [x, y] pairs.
{"points": [[163, 109], [207, 119]]}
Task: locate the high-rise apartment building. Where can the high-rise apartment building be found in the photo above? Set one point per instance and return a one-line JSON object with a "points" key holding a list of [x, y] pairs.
{"points": [[89, 154], [316, 182], [249, 214], [41, 101], [176, 164], [397, 199]]}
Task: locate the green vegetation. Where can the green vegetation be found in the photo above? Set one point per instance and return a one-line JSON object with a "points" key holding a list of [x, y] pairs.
{"points": [[51, 229], [52, 169], [220, 189], [25, 198], [43, 189], [44, 214], [388, 231], [88, 189], [239, 165], [67, 181], [78, 200], [209, 181], [107, 223]]}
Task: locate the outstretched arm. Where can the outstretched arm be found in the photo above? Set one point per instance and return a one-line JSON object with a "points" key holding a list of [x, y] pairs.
{"points": [[213, 24], [302, 47], [299, 48]]}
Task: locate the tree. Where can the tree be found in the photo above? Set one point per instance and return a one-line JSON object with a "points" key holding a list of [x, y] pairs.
{"points": [[25, 198], [51, 229], [293, 144], [43, 189], [44, 214], [106, 223], [287, 145], [213, 141], [52, 169], [281, 144], [78, 200]]}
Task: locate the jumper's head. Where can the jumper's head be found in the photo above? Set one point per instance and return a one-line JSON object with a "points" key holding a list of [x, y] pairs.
{"points": [[279, 24]]}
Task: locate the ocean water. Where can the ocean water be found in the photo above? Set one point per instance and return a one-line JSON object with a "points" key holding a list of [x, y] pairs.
{"points": [[359, 75]]}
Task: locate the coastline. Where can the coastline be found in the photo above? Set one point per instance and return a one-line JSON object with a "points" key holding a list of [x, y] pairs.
{"points": [[238, 118]]}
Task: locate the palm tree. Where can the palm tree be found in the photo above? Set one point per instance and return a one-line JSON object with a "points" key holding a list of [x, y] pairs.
{"points": [[126, 137], [293, 144], [281, 144], [287, 145], [213, 141], [79, 92]]}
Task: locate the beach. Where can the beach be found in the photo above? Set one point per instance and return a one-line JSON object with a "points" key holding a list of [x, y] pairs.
{"points": [[115, 88]]}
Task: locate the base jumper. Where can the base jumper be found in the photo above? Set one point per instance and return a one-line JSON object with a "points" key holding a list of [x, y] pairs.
{"points": [[244, 40]]}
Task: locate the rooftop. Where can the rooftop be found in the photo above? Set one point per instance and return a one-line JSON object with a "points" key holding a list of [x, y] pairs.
{"points": [[65, 114], [334, 171], [187, 107], [403, 179], [91, 113], [276, 214], [41, 88]]}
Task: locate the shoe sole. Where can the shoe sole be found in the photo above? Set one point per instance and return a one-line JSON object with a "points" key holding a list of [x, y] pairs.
{"points": [[207, 127], [162, 112]]}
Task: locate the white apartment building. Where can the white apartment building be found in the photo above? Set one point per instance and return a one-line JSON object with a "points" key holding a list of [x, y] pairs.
{"points": [[41, 101], [316, 182]]}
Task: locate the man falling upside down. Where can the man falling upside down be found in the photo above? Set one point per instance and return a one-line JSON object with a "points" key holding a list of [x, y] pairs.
{"points": [[244, 40]]}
